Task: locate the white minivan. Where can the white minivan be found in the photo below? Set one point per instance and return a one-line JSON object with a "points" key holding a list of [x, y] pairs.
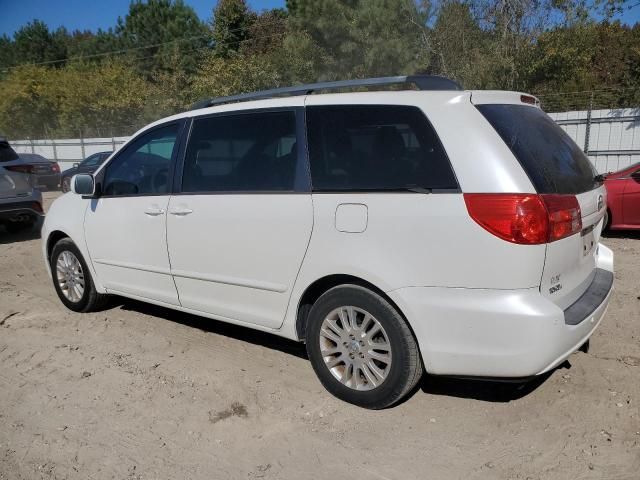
{"points": [[393, 231]]}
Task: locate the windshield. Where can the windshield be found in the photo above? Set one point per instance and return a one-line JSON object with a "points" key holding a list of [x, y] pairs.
{"points": [[551, 159]]}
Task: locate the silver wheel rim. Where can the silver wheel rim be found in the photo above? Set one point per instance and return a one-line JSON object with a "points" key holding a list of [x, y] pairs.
{"points": [[70, 276], [355, 348]]}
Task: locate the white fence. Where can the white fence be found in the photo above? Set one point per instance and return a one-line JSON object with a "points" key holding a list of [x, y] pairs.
{"points": [[611, 139], [67, 151]]}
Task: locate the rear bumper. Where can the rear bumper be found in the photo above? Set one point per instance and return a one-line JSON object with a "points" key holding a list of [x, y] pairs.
{"points": [[14, 211], [497, 333]]}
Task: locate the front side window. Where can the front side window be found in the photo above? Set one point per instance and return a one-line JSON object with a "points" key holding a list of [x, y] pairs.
{"points": [[143, 166], [244, 152], [375, 148]]}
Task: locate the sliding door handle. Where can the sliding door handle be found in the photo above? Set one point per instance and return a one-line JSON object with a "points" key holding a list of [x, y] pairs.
{"points": [[180, 211], [153, 211]]}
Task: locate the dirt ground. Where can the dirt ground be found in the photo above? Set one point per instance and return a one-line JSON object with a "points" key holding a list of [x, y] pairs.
{"points": [[143, 392]]}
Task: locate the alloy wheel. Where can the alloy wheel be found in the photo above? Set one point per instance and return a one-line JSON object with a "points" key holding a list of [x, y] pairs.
{"points": [[355, 348]]}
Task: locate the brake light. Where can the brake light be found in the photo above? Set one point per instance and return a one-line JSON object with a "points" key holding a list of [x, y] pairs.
{"points": [[20, 168], [55, 168], [528, 99], [526, 219]]}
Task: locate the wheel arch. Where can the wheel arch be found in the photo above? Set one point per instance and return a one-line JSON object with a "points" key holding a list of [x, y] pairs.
{"points": [[317, 288], [54, 237]]}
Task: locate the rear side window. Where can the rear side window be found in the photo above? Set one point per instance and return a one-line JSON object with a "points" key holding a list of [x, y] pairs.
{"points": [[242, 153], [551, 159], [7, 153], [375, 147]]}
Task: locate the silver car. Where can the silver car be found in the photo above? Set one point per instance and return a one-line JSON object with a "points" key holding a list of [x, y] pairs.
{"points": [[20, 201]]}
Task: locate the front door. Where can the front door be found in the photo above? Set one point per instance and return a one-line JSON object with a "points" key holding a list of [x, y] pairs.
{"points": [[631, 200], [126, 226], [239, 229]]}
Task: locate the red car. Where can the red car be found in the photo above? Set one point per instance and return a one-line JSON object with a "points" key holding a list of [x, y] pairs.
{"points": [[623, 192]]}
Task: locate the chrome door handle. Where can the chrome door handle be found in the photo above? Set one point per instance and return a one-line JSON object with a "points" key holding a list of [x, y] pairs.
{"points": [[153, 211], [180, 211]]}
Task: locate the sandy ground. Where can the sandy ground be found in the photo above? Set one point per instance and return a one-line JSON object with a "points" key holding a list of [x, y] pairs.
{"points": [[144, 392]]}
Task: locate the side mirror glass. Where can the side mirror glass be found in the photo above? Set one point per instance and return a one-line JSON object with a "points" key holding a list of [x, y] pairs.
{"points": [[82, 184]]}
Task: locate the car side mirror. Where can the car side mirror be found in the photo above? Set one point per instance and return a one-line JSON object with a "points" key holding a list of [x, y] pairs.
{"points": [[76, 165], [83, 184], [636, 176]]}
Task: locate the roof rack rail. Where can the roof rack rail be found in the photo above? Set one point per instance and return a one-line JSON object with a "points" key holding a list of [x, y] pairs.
{"points": [[423, 82]]}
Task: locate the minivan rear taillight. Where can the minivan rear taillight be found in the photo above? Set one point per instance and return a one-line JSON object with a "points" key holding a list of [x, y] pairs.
{"points": [[565, 217], [524, 218]]}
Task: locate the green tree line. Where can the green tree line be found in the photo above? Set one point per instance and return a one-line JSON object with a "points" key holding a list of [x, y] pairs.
{"points": [[161, 57]]}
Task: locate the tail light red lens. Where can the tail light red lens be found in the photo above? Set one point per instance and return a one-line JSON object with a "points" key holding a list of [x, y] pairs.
{"points": [[20, 168], [565, 217], [55, 168], [526, 219]]}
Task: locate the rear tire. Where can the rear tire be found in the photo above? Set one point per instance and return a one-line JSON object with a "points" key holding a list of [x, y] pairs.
{"points": [[72, 279], [361, 348], [65, 185], [606, 223]]}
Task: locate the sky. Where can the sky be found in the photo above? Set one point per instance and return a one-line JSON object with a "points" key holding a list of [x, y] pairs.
{"points": [[94, 14], [90, 14]]}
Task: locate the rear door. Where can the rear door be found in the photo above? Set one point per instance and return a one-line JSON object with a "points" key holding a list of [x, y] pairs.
{"points": [[556, 166], [239, 226]]}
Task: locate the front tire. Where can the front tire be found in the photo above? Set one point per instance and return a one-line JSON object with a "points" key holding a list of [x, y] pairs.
{"points": [[72, 279], [361, 348]]}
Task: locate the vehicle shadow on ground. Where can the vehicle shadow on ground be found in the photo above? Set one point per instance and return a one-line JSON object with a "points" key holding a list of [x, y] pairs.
{"points": [[631, 234], [236, 332], [485, 390], [32, 233]]}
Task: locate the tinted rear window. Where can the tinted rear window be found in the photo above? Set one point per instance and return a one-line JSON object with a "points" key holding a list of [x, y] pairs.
{"points": [[551, 159], [375, 147], [6, 153]]}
